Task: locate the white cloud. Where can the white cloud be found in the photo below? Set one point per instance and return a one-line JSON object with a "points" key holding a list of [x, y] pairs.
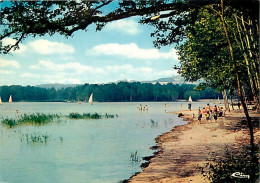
{"points": [[64, 78], [35, 67], [70, 67], [127, 68], [30, 75], [10, 41], [125, 26], [46, 47], [9, 63], [132, 51], [6, 72], [77, 73]]}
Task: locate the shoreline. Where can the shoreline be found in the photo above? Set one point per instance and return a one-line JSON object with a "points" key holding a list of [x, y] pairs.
{"points": [[188, 146]]}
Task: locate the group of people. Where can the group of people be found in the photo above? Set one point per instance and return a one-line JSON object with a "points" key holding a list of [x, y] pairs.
{"points": [[141, 108], [210, 113]]}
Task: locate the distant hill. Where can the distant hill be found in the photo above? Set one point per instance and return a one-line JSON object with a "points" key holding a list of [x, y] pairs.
{"points": [[57, 86], [174, 79]]}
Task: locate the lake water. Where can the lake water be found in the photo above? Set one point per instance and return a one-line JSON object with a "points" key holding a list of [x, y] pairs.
{"points": [[82, 151]]}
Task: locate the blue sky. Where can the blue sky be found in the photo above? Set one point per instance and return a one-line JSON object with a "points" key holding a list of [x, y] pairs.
{"points": [[122, 50]]}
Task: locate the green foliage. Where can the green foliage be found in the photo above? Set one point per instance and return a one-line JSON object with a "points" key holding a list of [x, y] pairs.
{"points": [[34, 119], [194, 95], [205, 54], [121, 92], [221, 169]]}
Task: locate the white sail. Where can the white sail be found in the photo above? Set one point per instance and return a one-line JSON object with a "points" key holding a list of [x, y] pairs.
{"points": [[1, 101], [90, 99], [190, 99], [10, 99]]}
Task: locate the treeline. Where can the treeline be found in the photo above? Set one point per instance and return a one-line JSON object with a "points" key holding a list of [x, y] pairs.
{"points": [[120, 92]]}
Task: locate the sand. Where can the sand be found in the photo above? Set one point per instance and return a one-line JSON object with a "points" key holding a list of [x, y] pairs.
{"points": [[188, 146]]}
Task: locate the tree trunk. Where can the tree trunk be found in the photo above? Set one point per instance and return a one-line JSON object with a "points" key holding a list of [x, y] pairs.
{"points": [[249, 71], [254, 62], [250, 126], [224, 93]]}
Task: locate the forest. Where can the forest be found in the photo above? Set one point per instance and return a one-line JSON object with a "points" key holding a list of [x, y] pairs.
{"points": [[120, 92]]}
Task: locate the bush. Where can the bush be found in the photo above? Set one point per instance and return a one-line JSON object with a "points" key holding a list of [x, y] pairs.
{"points": [[220, 170]]}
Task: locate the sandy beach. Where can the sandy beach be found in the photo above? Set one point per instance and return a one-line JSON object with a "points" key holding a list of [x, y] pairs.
{"points": [[189, 146]]}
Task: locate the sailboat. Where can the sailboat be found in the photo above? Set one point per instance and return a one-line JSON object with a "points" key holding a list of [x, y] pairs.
{"points": [[90, 100], [190, 99], [1, 101], [10, 99]]}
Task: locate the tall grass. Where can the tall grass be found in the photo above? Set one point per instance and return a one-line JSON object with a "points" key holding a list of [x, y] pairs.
{"points": [[154, 123], [10, 122], [33, 138], [90, 116], [35, 119], [134, 157]]}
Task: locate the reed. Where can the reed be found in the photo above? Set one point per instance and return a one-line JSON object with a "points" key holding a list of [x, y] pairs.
{"points": [[9, 122], [134, 157], [35, 138], [38, 118], [61, 139], [154, 123], [90, 116], [35, 119]]}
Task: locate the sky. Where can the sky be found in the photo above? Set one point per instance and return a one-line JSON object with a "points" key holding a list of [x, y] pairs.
{"points": [[123, 50]]}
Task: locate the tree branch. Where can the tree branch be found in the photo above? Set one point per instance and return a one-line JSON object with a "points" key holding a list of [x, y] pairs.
{"points": [[16, 44], [6, 35]]}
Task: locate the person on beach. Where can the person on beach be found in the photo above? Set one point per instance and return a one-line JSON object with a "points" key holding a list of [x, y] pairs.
{"points": [[207, 116], [140, 108], [211, 115], [220, 112], [215, 109], [199, 116], [204, 110], [207, 108], [181, 107], [189, 106], [215, 116], [224, 112], [238, 104]]}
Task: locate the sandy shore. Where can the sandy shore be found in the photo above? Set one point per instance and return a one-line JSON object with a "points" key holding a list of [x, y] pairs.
{"points": [[188, 146]]}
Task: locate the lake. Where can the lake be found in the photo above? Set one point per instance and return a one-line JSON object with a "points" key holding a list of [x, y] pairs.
{"points": [[82, 151]]}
